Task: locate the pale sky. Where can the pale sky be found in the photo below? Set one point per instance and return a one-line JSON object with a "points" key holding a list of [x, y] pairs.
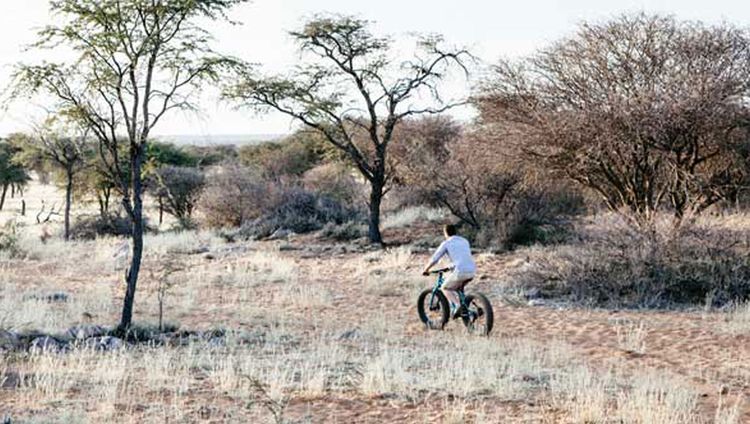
{"points": [[491, 29]]}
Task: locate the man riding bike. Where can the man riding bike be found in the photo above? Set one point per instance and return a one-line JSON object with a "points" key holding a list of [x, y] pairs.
{"points": [[459, 252]]}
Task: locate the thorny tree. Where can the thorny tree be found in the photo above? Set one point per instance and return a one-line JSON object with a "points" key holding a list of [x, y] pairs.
{"points": [[137, 61], [12, 173], [351, 89], [443, 161], [647, 111], [63, 149]]}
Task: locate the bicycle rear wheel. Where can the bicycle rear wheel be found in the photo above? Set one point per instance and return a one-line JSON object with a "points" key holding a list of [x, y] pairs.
{"points": [[479, 318], [433, 310]]}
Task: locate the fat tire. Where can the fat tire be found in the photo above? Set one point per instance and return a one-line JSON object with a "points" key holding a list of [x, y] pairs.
{"points": [[444, 309]]}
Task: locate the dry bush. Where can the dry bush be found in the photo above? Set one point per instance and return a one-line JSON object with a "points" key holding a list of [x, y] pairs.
{"points": [[177, 189], [233, 196], [631, 337], [258, 207], [9, 240], [335, 181], [298, 211], [611, 263], [291, 156], [496, 198], [92, 227], [347, 231]]}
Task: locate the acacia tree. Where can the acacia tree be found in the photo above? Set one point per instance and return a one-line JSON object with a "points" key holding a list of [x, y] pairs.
{"points": [[177, 189], [647, 111], [137, 61], [67, 153], [12, 173], [350, 89]]}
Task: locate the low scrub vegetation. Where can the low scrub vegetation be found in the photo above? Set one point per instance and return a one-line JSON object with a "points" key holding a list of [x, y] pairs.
{"points": [[611, 263]]}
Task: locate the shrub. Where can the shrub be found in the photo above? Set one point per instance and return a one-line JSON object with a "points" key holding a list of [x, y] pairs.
{"points": [[298, 211], [212, 154], [335, 181], [9, 239], [499, 203], [292, 156], [539, 215], [91, 227], [232, 197], [610, 263], [178, 189], [350, 230]]}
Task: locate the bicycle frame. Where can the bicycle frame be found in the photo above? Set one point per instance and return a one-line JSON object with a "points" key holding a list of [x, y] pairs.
{"points": [[439, 285]]}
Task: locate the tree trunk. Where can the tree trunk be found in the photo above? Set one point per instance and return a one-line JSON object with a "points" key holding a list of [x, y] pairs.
{"points": [[68, 201], [12, 191], [376, 197], [137, 237], [23, 207], [2, 197], [101, 204], [161, 210], [107, 194]]}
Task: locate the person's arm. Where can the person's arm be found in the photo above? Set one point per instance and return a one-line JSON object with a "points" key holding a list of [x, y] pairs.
{"points": [[435, 258]]}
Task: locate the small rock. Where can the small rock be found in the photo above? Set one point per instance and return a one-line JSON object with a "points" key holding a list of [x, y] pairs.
{"points": [[45, 344], [9, 340], [106, 343], [209, 257], [86, 331], [537, 302]]}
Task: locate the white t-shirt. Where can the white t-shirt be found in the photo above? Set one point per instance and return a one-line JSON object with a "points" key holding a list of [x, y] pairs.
{"points": [[458, 250]]}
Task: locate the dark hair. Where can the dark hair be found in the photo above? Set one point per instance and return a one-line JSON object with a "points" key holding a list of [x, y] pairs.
{"points": [[450, 230]]}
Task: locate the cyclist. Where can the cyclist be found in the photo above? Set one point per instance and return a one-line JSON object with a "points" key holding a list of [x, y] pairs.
{"points": [[459, 252]]}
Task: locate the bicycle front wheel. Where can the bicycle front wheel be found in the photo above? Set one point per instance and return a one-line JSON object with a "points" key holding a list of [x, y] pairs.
{"points": [[433, 309]]}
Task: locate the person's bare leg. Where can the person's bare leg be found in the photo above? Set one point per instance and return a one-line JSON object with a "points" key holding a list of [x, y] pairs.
{"points": [[452, 296]]}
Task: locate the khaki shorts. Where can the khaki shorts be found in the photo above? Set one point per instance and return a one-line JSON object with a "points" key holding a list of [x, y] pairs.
{"points": [[456, 281]]}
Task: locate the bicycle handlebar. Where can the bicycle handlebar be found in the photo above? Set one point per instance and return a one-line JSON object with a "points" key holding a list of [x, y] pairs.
{"points": [[442, 270]]}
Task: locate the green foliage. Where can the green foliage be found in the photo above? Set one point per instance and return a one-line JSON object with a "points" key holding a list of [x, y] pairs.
{"points": [[292, 156], [11, 170], [212, 155], [161, 153]]}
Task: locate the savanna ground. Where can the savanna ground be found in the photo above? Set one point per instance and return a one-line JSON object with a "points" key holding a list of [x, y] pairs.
{"points": [[315, 331]]}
